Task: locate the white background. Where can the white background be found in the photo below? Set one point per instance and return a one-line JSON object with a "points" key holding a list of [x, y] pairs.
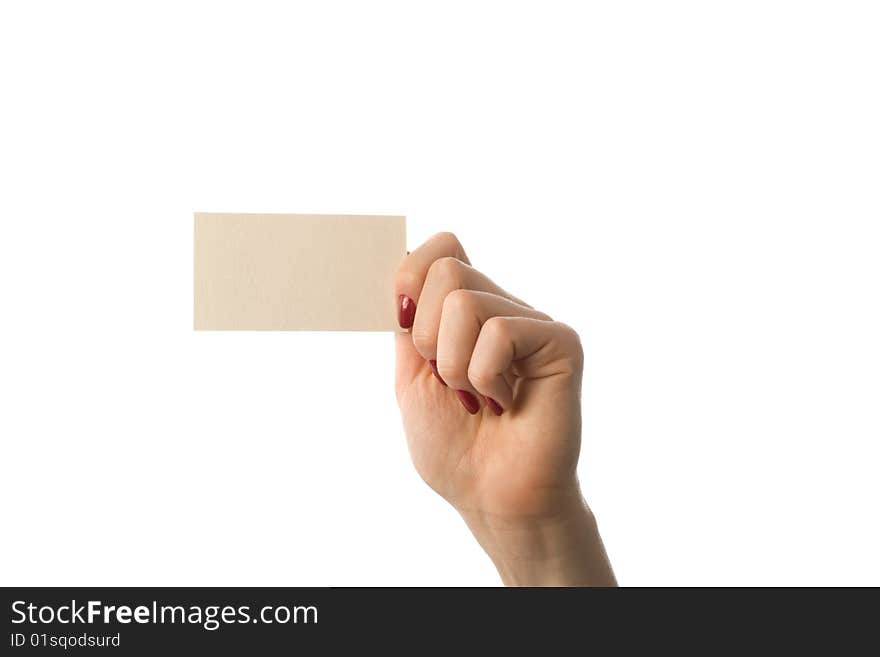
{"points": [[692, 185]]}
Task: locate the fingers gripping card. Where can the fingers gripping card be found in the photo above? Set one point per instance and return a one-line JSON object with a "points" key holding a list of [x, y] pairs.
{"points": [[289, 272]]}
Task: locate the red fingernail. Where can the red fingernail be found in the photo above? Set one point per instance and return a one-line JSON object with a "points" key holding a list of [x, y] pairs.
{"points": [[494, 405], [469, 402], [433, 364], [406, 313]]}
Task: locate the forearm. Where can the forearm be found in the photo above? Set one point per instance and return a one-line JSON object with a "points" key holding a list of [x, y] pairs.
{"points": [[563, 550]]}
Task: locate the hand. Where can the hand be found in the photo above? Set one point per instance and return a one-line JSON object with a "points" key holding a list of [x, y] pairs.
{"points": [[489, 390]]}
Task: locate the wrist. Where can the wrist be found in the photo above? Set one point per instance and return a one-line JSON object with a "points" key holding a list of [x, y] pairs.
{"points": [[561, 548]]}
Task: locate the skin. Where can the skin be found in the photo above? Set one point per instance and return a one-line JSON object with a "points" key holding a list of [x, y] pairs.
{"points": [[513, 476]]}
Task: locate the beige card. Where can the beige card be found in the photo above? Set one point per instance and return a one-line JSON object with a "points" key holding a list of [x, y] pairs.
{"points": [[289, 272]]}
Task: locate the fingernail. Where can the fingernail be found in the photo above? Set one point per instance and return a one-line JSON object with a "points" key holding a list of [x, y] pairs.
{"points": [[469, 402], [494, 405], [433, 364], [406, 313]]}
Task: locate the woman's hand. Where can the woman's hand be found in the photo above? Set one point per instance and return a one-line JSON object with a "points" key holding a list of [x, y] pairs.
{"points": [[489, 390]]}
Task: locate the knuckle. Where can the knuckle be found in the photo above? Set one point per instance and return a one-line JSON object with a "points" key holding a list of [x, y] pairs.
{"points": [[452, 372], [405, 280], [497, 328], [448, 269], [459, 302], [424, 339], [480, 377], [571, 341], [448, 240]]}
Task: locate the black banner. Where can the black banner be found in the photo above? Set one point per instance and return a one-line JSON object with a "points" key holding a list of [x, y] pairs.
{"points": [[128, 621]]}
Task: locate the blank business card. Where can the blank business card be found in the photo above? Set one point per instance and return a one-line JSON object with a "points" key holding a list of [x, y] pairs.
{"points": [[291, 272]]}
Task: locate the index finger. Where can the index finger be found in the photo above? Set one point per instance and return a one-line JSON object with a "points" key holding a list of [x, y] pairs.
{"points": [[413, 269]]}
